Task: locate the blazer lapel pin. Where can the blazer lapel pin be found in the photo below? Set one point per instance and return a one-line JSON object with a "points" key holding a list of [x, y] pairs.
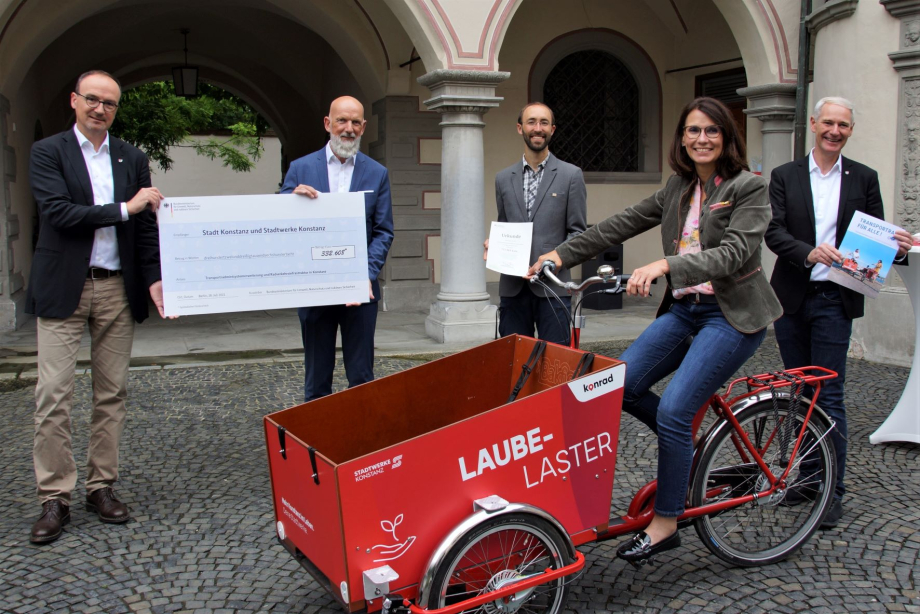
{"points": [[554, 195], [121, 159]]}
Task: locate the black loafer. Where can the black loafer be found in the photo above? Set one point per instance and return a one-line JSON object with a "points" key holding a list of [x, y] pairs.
{"points": [[639, 550]]}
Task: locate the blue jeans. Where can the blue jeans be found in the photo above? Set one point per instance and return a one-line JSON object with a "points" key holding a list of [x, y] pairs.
{"points": [[521, 313], [700, 368], [819, 335]]}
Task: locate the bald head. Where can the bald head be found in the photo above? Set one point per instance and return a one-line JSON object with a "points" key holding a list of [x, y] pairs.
{"points": [[345, 125], [346, 104]]}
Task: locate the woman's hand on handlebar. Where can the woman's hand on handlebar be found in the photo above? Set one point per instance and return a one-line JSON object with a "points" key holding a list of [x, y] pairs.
{"points": [[640, 282], [535, 269]]}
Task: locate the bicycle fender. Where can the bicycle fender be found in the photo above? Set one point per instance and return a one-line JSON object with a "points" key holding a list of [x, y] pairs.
{"points": [[746, 402], [470, 523]]}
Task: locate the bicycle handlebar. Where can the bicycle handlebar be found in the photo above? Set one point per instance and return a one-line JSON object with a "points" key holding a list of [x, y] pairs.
{"points": [[604, 276]]}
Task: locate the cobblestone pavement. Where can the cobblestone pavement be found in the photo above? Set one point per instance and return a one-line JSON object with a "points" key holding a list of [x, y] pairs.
{"points": [[195, 475]]}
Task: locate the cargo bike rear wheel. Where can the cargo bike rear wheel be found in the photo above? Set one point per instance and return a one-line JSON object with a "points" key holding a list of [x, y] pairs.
{"points": [[769, 529]]}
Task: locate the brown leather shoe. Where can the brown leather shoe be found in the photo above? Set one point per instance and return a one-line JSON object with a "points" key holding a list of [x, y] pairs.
{"points": [[109, 509], [48, 527]]}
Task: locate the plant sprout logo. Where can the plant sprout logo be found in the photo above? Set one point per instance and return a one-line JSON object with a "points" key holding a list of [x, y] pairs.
{"points": [[389, 552]]}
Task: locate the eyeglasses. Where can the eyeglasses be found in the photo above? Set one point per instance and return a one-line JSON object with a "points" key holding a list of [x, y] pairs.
{"points": [[92, 102], [712, 131]]}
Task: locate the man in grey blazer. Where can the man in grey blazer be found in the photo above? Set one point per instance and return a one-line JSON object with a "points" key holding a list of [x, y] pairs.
{"points": [[551, 194]]}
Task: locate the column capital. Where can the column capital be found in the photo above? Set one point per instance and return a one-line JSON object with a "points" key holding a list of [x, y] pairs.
{"points": [[463, 91], [905, 60], [773, 102], [901, 8], [829, 12], [907, 57], [774, 105]]}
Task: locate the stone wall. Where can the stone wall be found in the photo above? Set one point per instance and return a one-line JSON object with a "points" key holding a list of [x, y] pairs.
{"points": [[407, 281]]}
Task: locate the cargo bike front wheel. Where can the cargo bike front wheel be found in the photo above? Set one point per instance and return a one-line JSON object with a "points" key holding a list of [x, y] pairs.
{"points": [[500, 552]]}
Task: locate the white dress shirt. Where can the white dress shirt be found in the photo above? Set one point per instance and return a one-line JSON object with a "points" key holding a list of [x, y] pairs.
{"points": [[99, 166], [340, 173], [825, 194]]}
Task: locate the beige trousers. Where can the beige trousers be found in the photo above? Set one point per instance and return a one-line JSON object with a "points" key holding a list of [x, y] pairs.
{"points": [[104, 306]]}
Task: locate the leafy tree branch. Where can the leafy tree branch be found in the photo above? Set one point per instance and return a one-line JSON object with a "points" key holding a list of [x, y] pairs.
{"points": [[153, 119]]}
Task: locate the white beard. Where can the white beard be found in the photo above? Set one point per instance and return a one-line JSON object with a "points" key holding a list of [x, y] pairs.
{"points": [[344, 149]]}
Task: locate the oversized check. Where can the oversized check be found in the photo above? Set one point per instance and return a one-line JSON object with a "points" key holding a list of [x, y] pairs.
{"points": [[241, 253]]}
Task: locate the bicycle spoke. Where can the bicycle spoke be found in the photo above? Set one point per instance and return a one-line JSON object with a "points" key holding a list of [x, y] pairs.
{"points": [[498, 558], [765, 528]]}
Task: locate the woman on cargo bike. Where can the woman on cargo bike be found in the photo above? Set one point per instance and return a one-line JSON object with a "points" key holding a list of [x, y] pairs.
{"points": [[713, 215]]}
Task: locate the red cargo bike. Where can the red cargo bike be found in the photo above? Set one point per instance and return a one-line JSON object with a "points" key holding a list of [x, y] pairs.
{"points": [[467, 483]]}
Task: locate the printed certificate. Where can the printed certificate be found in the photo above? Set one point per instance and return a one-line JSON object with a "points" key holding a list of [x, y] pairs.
{"points": [[272, 251], [509, 248]]}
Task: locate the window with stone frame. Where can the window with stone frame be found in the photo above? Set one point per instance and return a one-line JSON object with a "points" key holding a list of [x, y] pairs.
{"points": [[596, 102], [606, 95]]}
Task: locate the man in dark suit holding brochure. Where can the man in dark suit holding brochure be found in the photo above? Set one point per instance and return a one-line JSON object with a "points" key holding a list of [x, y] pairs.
{"points": [[813, 201], [340, 167]]}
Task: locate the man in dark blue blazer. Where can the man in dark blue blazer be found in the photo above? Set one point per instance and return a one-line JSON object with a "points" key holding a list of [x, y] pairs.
{"points": [[340, 167], [96, 264], [813, 201]]}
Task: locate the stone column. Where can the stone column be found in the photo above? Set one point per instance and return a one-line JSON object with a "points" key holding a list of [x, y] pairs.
{"points": [[12, 285], [907, 63], [774, 105], [462, 311]]}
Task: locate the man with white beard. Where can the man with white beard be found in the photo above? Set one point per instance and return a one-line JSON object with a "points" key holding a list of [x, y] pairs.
{"points": [[340, 167]]}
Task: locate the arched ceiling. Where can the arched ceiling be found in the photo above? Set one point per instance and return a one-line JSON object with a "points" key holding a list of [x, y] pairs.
{"points": [[288, 58]]}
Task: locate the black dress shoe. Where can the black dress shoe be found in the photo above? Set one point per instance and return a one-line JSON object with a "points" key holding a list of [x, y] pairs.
{"points": [[639, 549], [48, 527], [109, 509], [834, 514]]}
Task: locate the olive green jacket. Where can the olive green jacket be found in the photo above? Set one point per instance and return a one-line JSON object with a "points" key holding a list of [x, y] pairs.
{"points": [[733, 220]]}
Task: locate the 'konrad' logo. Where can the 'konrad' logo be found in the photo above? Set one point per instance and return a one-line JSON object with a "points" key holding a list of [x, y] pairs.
{"points": [[597, 384]]}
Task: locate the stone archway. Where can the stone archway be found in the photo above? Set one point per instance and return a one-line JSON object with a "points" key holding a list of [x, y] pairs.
{"points": [[288, 58]]}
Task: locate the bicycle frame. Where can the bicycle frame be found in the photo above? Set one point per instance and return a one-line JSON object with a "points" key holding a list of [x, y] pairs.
{"points": [[640, 511]]}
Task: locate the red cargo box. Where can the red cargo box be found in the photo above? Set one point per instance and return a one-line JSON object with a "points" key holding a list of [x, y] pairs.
{"points": [[379, 474]]}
